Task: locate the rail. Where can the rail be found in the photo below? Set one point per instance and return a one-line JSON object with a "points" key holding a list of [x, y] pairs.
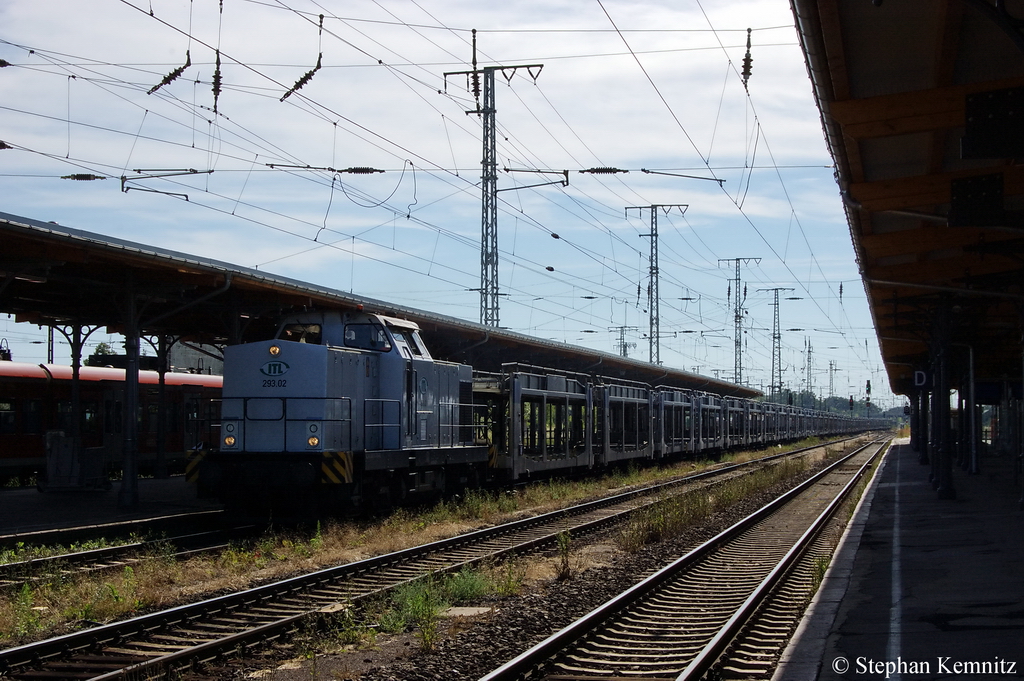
{"points": [[586, 627], [296, 598]]}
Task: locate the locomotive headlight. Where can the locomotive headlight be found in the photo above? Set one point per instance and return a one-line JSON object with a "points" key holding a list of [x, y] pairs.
{"points": [[313, 434], [229, 441], [275, 350]]}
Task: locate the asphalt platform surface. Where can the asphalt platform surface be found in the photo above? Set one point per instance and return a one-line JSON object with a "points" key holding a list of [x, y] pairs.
{"points": [[922, 588]]}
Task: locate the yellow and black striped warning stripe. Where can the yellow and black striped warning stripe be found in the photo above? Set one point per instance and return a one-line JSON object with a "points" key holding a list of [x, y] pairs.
{"points": [[193, 457], [336, 468]]}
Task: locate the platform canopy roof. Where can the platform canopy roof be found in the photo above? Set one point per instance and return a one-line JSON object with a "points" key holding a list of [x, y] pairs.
{"points": [[54, 275], [922, 103]]}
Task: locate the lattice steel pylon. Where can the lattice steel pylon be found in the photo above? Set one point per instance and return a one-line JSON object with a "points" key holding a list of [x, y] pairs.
{"points": [[489, 205], [775, 386], [653, 297], [810, 368], [737, 375], [622, 344], [489, 291]]}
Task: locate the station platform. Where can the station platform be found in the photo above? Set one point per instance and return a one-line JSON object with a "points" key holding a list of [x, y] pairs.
{"points": [[921, 588], [28, 510]]}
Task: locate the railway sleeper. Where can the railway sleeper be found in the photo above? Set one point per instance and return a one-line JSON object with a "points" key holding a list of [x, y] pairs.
{"points": [[55, 675], [138, 655], [159, 646], [215, 625], [653, 638], [193, 641], [91, 666]]}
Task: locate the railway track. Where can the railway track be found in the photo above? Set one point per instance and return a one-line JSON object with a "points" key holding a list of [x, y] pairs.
{"points": [[755, 651], [678, 623], [202, 539], [198, 632], [126, 529], [66, 566]]}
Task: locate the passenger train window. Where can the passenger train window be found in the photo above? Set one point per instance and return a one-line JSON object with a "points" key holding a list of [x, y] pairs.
{"points": [[367, 337], [8, 423], [32, 417], [302, 333], [90, 418]]}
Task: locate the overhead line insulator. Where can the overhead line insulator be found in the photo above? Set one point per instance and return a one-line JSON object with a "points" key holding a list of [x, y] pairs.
{"points": [[173, 75], [305, 78], [747, 62], [361, 170]]}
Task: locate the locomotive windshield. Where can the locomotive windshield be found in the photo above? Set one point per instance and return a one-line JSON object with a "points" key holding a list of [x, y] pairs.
{"points": [[302, 333], [367, 337]]}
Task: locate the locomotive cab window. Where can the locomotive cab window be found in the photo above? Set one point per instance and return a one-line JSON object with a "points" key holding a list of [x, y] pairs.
{"points": [[367, 337], [408, 342], [416, 343], [302, 333]]}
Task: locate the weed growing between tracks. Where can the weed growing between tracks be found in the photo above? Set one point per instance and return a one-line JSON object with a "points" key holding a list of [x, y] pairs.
{"points": [[568, 563], [822, 560], [40, 609], [332, 633], [25, 616], [158, 581], [417, 607], [508, 578], [22, 552], [675, 514], [818, 571]]}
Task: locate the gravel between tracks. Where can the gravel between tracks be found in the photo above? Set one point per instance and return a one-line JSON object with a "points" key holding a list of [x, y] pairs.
{"points": [[471, 647]]}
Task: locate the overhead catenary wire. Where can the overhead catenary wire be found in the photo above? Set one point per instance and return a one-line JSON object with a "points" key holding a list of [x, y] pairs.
{"points": [[703, 158], [814, 259], [593, 207]]}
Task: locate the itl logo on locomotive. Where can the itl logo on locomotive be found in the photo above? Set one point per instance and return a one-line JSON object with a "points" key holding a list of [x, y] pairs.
{"points": [[274, 369]]}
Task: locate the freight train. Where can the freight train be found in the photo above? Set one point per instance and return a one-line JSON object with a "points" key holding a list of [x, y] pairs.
{"points": [[35, 399], [350, 409]]}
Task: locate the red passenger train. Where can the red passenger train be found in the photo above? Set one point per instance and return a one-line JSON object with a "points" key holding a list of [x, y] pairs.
{"points": [[36, 399]]}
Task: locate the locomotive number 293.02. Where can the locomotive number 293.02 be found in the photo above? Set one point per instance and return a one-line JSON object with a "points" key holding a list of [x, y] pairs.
{"points": [[275, 382]]}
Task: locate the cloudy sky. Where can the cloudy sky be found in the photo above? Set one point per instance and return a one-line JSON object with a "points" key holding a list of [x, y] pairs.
{"points": [[651, 85]]}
